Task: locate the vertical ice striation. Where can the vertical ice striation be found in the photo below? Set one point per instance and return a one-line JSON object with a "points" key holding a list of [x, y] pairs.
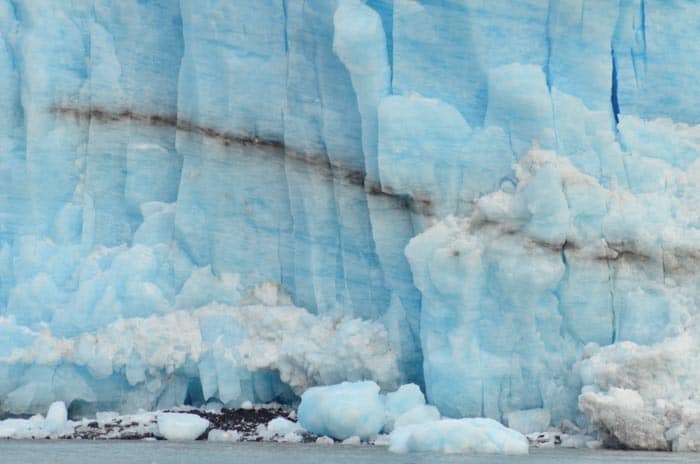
{"points": [[482, 188], [168, 155]]}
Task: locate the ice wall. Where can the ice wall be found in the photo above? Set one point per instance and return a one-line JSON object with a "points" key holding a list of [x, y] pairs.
{"points": [[163, 155], [560, 264]]}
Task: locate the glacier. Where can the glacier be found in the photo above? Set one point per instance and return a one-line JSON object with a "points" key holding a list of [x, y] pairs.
{"points": [[236, 201]]}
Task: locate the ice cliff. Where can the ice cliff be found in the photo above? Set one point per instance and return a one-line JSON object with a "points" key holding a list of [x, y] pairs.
{"points": [[178, 179]]}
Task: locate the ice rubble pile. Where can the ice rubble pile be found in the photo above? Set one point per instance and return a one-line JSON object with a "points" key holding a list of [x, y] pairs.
{"points": [[53, 425], [646, 397], [236, 352], [179, 424], [357, 410], [158, 157]]}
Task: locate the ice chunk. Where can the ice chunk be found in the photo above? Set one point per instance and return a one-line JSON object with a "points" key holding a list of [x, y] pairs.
{"points": [[55, 424], [181, 426], [342, 411], [57, 417], [621, 412], [224, 436], [644, 396], [283, 427], [480, 436], [24, 428], [354, 440], [401, 401], [381, 440], [417, 415]]}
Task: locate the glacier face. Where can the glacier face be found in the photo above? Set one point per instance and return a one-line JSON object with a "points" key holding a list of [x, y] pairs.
{"points": [[161, 156]]}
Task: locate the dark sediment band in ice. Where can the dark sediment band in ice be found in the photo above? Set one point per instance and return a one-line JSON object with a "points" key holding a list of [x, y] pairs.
{"points": [[420, 204]]}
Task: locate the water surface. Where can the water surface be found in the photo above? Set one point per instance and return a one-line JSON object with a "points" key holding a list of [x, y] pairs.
{"points": [[163, 452]]}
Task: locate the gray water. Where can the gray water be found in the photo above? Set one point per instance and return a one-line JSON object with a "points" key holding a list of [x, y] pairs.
{"points": [[162, 452]]}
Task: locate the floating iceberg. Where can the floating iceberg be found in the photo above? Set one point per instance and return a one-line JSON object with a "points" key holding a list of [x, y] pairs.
{"points": [[357, 411], [479, 436], [343, 411]]}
